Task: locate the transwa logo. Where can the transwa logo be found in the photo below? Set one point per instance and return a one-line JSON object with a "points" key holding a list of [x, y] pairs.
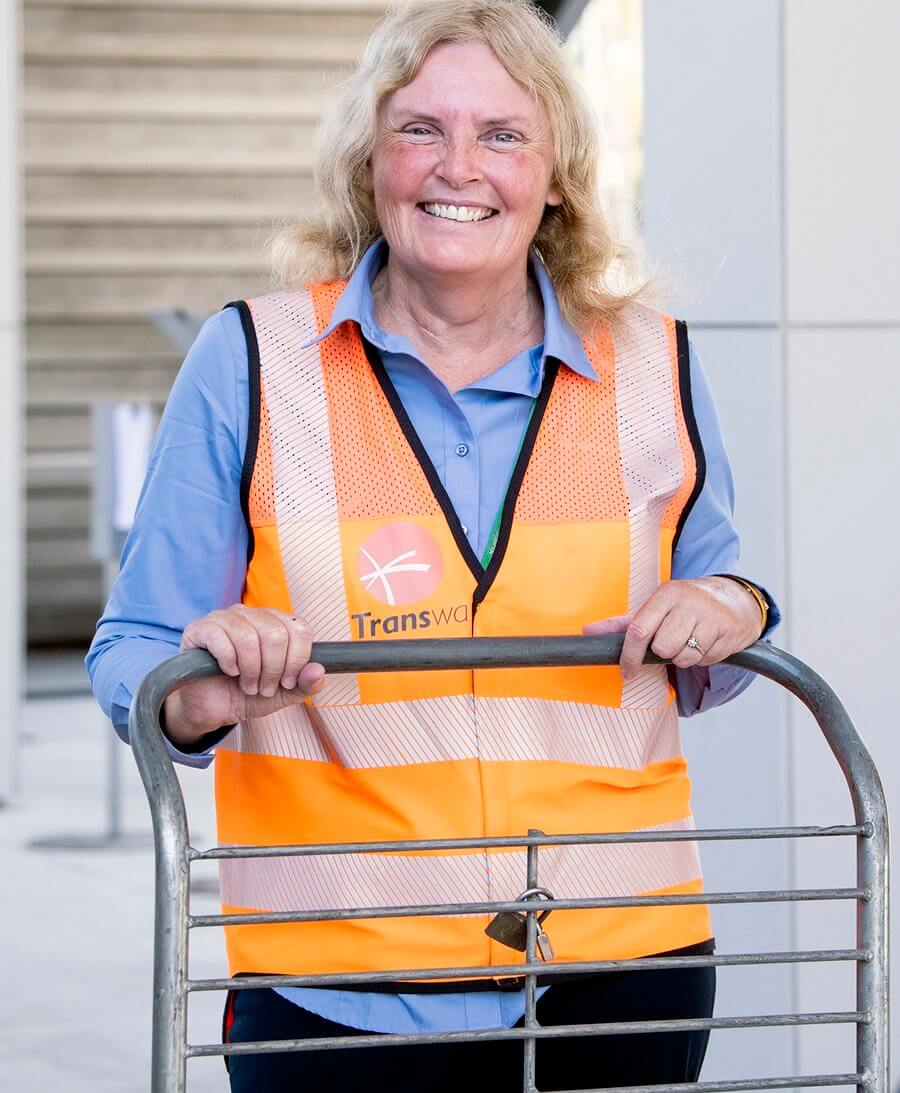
{"points": [[400, 563]]}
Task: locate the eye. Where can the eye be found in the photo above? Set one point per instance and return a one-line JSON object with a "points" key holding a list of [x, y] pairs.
{"points": [[505, 137], [419, 129]]}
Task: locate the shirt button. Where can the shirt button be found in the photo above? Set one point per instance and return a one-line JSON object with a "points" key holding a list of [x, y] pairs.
{"points": [[462, 450]]}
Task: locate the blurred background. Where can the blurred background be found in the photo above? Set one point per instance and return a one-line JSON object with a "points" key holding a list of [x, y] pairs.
{"points": [[147, 148]]}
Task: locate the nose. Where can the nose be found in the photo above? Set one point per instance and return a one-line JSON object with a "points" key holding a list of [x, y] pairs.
{"points": [[458, 165]]}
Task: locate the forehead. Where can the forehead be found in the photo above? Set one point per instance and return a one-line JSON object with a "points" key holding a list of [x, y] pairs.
{"points": [[465, 78]]}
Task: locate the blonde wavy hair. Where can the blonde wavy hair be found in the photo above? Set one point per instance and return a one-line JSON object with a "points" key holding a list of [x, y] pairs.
{"points": [[573, 239]]}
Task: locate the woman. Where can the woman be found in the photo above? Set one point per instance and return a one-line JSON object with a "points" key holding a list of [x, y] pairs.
{"points": [[449, 425]]}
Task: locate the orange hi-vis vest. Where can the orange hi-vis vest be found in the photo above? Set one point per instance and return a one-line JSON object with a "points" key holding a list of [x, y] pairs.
{"points": [[352, 530]]}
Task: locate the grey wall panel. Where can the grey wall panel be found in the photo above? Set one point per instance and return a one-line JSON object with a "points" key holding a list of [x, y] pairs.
{"points": [[738, 754], [843, 160], [711, 163], [843, 393]]}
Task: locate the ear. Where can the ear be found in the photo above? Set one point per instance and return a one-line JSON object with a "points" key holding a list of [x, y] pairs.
{"points": [[554, 197]]}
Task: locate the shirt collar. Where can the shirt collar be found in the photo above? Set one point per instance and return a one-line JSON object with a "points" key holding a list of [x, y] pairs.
{"points": [[355, 304]]}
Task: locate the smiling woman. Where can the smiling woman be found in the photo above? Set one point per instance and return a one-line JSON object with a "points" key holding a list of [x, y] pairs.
{"points": [[522, 62], [447, 425]]}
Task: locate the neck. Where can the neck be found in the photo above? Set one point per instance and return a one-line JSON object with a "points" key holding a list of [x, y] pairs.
{"points": [[462, 328]]}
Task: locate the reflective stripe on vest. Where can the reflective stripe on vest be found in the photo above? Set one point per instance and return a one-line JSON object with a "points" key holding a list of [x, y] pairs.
{"points": [[353, 531]]}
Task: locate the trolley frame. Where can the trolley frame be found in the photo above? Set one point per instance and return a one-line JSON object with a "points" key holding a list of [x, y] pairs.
{"points": [[175, 855]]}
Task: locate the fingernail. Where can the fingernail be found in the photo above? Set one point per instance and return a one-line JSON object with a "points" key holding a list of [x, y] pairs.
{"points": [[267, 692], [250, 689], [289, 683]]}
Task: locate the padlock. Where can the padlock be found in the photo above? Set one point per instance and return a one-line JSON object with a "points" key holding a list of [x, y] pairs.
{"points": [[510, 928]]}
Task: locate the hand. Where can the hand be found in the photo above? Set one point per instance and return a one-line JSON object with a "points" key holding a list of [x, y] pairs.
{"points": [[721, 616], [264, 654]]}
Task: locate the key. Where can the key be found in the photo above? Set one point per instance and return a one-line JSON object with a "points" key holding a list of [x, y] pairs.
{"points": [[544, 946]]}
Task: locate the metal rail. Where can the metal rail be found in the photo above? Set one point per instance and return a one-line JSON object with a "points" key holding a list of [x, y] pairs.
{"points": [[174, 856]]}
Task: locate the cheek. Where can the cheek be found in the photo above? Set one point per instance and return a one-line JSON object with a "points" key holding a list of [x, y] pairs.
{"points": [[398, 172], [523, 184]]}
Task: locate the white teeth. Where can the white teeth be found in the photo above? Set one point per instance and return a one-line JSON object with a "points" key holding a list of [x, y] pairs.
{"points": [[457, 212]]}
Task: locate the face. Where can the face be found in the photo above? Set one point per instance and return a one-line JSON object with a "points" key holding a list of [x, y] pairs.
{"points": [[462, 166]]}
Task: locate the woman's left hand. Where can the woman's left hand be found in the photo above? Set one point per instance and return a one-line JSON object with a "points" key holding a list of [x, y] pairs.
{"points": [[719, 614]]}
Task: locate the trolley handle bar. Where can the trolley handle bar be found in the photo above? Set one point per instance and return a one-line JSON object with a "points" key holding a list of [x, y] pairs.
{"points": [[446, 654]]}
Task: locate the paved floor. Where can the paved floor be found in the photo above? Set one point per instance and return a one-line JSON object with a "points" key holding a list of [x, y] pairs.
{"points": [[77, 924]]}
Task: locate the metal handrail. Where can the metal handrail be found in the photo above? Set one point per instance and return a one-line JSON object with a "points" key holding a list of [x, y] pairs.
{"points": [[174, 857]]}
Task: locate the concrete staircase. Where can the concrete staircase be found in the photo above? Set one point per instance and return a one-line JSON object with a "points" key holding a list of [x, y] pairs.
{"points": [[162, 139]]}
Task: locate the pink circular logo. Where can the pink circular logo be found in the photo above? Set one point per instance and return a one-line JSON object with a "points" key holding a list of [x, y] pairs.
{"points": [[400, 563]]}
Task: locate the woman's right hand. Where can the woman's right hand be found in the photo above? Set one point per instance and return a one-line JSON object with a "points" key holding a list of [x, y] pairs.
{"points": [[264, 655]]}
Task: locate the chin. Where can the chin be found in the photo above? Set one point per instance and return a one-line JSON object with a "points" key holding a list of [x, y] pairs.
{"points": [[460, 261]]}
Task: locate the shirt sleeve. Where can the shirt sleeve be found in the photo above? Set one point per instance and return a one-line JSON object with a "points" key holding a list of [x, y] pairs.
{"points": [[709, 544], [186, 554]]}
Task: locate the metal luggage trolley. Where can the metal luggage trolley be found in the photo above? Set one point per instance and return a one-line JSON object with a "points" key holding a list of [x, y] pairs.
{"points": [[175, 855]]}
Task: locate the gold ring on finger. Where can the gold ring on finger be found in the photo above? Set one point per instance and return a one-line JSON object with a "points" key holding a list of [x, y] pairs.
{"points": [[692, 643]]}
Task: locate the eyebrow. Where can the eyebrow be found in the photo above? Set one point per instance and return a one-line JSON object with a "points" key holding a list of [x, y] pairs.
{"points": [[487, 123]]}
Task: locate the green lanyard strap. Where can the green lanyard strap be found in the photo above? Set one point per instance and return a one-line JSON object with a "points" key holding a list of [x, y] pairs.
{"points": [[491, 544]]}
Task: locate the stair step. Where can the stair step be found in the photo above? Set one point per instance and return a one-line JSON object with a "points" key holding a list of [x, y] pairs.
{"points": [[103, 160], [83, 343], [196, 25], [97, 106], [58, 555], [190, 193], [58, 470], [141, 216], [165, 49], [168, 146], [330, 7], [101, 263], [109, 296], [123, 80], [147, 242], [71, 388]]}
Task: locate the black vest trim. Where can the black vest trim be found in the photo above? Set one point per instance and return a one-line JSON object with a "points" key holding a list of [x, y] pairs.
{"points": [[515, 483], [484, 577], [253, 379], [687, 409]]}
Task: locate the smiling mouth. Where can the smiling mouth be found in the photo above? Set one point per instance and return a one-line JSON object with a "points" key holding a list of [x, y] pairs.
{"points": [[462, 214]]}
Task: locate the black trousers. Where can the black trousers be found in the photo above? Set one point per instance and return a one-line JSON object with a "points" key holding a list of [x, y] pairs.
{"points": [[583, 1062]]}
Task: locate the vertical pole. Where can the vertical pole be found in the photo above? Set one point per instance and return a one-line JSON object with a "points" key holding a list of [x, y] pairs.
{"points": [[531, 1020], [170, 961], [872, 1038], [113, 744], [172, 847]]}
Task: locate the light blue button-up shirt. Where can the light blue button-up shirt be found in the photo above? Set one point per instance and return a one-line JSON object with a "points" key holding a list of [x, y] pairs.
{"points": [[472, 437]]}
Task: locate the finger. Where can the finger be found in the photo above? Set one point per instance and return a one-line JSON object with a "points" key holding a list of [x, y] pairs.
{"points": [[641, 631], [300, 637], [245, 639], [615, 624], [311, 678], [687, 656], [718, 650], [209, 635], [274, 642], [670, 639]]}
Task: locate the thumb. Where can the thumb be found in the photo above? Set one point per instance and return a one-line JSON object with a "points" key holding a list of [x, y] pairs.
{"points": [[615, 624]]}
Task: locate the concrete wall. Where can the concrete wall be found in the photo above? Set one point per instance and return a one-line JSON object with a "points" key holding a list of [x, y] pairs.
{"points": [[771, 174], [10, 357]]}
